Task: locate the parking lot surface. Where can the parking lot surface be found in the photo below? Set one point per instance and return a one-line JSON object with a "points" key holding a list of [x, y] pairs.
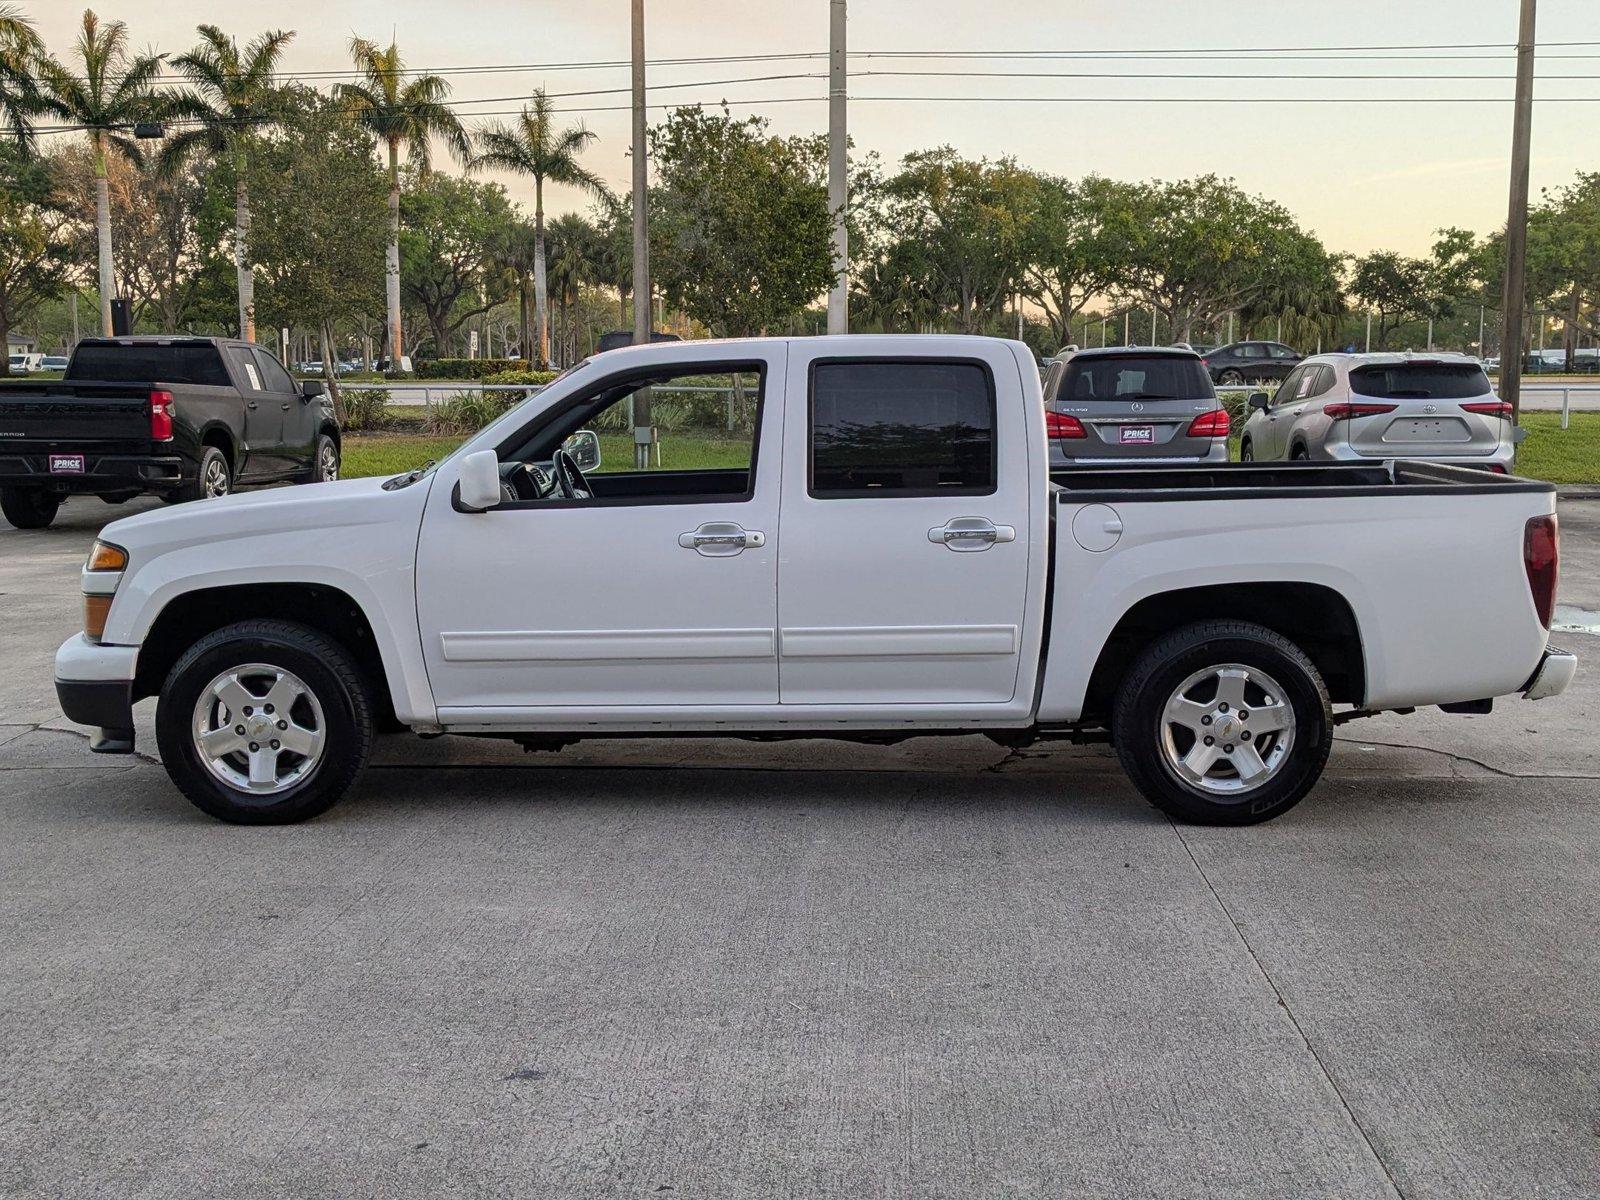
{"points": [[707, 968]]}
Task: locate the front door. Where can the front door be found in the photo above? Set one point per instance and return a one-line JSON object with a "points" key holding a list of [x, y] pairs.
{"points": [[906, 503], [299, 427], [656, 591]]}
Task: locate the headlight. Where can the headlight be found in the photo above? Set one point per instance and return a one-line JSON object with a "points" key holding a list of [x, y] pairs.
{"points": [[103, 556]]}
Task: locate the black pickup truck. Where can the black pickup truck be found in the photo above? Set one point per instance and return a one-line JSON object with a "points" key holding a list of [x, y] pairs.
{"points": [[184, 418]]}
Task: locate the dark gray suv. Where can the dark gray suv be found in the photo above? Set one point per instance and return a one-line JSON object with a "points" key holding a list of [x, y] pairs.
{"points": [[1132, 406]]}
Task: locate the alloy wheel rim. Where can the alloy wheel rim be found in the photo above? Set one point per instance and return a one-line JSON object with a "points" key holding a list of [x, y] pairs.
{"points": [[329, 463], [216, 478], [259, 729], [1227, 730]]}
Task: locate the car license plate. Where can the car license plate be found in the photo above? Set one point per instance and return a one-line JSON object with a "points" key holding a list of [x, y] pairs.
{"points": [[1137, 435], [66, 464]]}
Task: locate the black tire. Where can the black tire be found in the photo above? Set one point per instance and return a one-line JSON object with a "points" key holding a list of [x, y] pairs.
{"points": [[1299, 454], [327, 670], [1164, 666], [325, 461], [29, 508], [213, 477], [1230, 378], [1246, 451]]}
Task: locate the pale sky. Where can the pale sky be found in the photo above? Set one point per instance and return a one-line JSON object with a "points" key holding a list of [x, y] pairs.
{"points": [[1362, 176]]}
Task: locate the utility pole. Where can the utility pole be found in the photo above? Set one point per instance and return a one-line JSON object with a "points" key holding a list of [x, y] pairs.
{"points": [[643, 432], [838, 168], [1517, 220], [1368, 347]]}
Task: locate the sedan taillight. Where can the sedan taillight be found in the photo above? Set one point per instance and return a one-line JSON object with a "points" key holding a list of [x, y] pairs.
{"points": [[1213, 424], [1541, 557], [160, 416], [1060, 425], [1490, 408], [1343, 411]]}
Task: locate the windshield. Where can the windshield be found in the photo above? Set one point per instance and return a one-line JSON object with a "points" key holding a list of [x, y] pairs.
{"points": [[1420, 381], [509, 417], [1133, 377]]}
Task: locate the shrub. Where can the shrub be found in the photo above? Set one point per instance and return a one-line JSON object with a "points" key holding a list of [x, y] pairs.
{"points": [[469, 412], [469, 368], [366, 410]]}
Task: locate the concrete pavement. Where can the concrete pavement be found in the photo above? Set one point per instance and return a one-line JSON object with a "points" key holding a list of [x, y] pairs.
{"points": [[717, 969]]}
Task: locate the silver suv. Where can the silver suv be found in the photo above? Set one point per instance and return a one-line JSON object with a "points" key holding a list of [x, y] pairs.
{"points": [[1355, 407], [1132, 405]]}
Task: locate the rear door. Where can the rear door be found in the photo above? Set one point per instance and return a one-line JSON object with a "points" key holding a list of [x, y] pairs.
{"points": [[1134, 406], [262, 453], [1430, 410], [904, 575]]}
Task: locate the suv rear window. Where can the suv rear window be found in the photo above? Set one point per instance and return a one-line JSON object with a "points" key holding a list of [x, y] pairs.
{"points": [[197, 364], [1420, 381], [1131, 377]]}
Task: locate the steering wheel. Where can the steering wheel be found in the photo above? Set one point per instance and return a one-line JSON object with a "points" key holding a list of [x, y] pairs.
{"points": [[569, 478]]}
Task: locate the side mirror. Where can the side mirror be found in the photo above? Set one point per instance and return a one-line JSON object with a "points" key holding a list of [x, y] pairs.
{"points": [[311, 389], [1260, 400], [478, 489], [584, 446]]}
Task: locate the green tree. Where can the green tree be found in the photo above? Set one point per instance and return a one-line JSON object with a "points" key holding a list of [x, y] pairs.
{"points": [[1396, 288], [33, 267], [233, 98], [576, 262], [110, 95], [21, 97], [398, 114], [535, 148], [451, 232], [1072, 241], [740, 221], [319, 225]]}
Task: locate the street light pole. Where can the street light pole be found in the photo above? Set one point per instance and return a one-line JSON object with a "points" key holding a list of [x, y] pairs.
{"points": [[838, 169], [643, 431], [1517, 220]]}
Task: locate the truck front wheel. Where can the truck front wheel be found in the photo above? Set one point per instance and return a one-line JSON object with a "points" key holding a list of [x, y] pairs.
{"points": [[29, 508], [1223, 723], [264, 723]]}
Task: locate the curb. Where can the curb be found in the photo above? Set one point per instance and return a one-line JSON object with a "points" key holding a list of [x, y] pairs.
{"points": [[1578, 491]]}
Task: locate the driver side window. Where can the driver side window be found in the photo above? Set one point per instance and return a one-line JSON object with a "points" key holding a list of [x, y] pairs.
{"points": [[678, 436]]}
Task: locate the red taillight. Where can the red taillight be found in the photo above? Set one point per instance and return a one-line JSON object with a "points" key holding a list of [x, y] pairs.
{"points": [[1342, 411], [1490, 408], [1060, 425], [1541, 556], [160, 416], [1213, 424]]}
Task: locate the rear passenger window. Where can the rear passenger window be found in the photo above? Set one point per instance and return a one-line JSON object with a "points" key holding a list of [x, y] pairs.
{"points": [[901, 429]]}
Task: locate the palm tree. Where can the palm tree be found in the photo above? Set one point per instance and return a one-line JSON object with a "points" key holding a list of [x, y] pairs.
{"points": [[574, 263], [110, 96], [234, 96], [533, 147], [399, 115], [20, 96]]}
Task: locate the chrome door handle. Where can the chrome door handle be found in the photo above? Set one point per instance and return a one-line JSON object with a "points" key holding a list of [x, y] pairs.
{"points": [[251, 404], [971, 533], [286, 407], [718, 539]]}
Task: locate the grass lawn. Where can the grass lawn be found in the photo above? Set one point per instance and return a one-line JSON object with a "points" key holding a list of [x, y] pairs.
{"points": [[1561, 456]]}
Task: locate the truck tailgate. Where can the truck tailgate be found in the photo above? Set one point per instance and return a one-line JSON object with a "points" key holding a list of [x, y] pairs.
{"points": [[88, 416]]}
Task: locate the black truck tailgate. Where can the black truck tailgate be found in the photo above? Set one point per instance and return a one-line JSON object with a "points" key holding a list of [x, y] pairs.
{"points": [[103, 416]]}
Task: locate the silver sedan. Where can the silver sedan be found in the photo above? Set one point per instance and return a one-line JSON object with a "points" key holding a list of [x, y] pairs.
{"points": [[1361, 407]]}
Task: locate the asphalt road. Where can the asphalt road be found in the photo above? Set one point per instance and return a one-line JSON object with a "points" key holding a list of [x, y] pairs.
{"points": [[701, 968]]}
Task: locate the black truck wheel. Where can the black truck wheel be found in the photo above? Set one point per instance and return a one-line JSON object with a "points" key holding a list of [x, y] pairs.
{"points": [[264, 723], [1223, 723], [212, 477], [29, 508], [324, 461]]}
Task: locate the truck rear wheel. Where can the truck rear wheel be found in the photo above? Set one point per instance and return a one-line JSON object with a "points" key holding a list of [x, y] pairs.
{"points": [[264, 723], [1223, 723], [29, 508], [213, 477]]}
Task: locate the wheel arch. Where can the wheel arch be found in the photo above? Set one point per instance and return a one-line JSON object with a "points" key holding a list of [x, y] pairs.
{"points": [[1314, 616], [218, 435], [191, 615]]}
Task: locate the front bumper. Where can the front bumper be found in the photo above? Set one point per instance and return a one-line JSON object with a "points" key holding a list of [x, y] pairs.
{"points": [[94, 684], [102, 473], [1555, 672]]}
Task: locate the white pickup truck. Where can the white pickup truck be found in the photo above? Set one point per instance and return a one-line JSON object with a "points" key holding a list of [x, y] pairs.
{"points": [[870, 546]]}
